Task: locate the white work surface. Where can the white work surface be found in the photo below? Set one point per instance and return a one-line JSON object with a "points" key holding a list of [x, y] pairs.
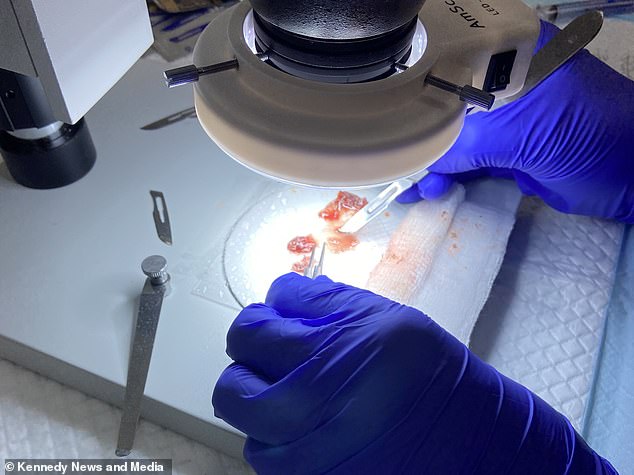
{"points": [[70, 258], [70, 279]]}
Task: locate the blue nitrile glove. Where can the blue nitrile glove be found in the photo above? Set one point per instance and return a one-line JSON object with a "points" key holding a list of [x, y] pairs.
{"points": [[330, 378], [570, 141]]}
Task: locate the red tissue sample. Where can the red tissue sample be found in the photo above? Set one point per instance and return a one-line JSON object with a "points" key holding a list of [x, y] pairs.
{"points": [[302, 244], [337, 212], [340, 242], [345, 204]]}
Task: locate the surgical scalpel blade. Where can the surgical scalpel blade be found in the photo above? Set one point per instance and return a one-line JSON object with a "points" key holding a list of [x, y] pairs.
{"points": [[161, 218], [171, 119], [379, 204]]}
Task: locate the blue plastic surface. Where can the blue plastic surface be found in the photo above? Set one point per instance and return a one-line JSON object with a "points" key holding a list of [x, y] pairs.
{"points": [[609, 428]]}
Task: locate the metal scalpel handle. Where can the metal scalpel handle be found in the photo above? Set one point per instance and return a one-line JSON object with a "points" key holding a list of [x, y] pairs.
{"points": [[379, 204], [564, 45], [156, 287]]}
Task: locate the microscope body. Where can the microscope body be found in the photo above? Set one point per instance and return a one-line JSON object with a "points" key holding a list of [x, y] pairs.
{"points": [[57, 59]]}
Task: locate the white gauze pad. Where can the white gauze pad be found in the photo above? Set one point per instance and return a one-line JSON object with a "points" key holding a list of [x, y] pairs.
{"points": [[410, 254]]}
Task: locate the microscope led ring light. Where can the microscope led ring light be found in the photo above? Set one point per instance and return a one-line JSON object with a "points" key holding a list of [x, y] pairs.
{"points": [[316, 133]]}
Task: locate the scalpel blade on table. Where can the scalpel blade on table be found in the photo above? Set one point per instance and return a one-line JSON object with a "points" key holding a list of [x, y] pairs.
{"points": [[378, 205], [161, 218], [171, 119]]}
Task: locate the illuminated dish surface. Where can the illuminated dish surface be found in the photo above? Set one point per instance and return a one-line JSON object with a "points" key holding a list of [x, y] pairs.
{"points": [[257, 249]]}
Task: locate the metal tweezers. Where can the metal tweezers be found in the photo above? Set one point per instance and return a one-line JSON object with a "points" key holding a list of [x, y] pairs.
{"points": [[315, 268]]}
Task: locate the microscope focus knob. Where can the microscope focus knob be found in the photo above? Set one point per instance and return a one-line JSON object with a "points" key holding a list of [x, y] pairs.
{"points": [[155, 267]]}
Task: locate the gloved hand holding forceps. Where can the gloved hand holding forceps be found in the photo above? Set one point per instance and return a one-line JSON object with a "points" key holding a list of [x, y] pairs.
{"points": [[332, 379]]}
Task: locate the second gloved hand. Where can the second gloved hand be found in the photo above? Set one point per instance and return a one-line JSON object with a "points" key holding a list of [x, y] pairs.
{"points": [[330, 378], [569, 141]]}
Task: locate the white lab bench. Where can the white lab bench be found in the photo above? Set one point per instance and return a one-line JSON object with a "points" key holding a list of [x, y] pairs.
{"points": [[70, 259]]}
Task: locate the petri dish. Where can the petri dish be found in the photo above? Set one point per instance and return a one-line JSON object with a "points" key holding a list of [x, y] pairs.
{"points": [[255, 252]]}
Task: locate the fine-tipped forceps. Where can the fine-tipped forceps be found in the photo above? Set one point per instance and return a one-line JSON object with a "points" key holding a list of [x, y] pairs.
{"points": [[314, 267]]}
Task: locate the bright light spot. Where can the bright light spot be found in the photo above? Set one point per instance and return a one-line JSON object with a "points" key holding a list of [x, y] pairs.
{"points": [[256, 253]]}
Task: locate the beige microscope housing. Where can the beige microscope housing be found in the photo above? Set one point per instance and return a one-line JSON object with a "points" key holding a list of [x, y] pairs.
{"points": [[371, 133], [77, 49]]}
